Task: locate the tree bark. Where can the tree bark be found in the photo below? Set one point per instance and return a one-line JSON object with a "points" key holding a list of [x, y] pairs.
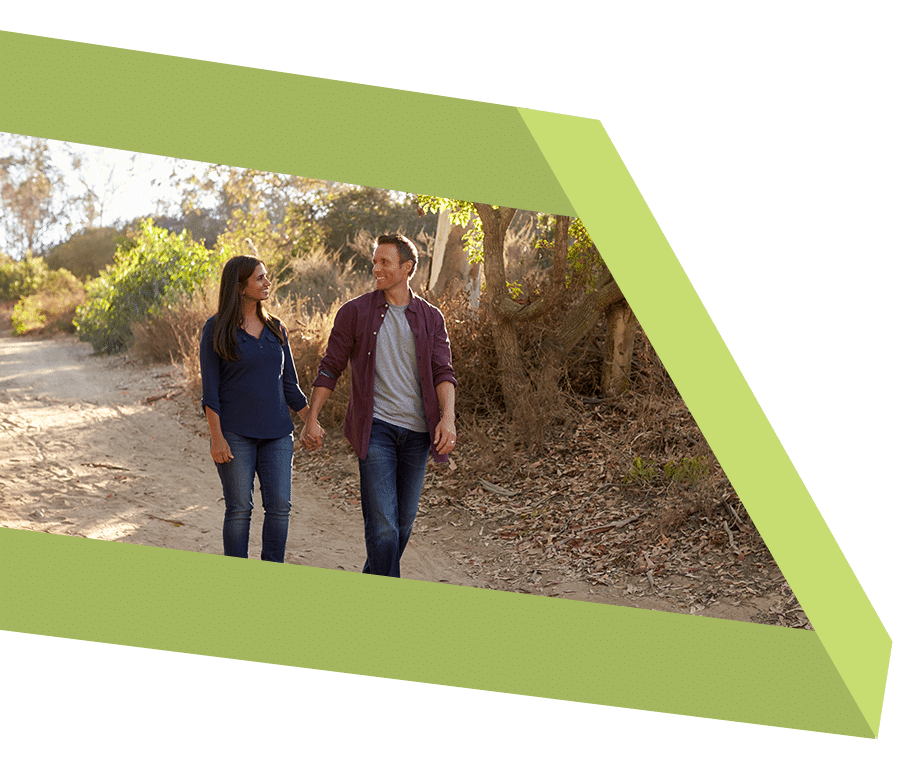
{"points": [[583, 317], [621, 325], [501, 308]]}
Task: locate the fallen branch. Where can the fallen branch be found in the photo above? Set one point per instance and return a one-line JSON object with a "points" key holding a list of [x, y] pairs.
{"points": [[164, 519], [730, 536], [167, 395], [497, 489], [733, 513], [618, 524]]}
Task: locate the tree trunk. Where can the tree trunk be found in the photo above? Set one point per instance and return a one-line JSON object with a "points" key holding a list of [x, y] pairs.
{"points": [[621, 325], [440, 245], [501, 308]]}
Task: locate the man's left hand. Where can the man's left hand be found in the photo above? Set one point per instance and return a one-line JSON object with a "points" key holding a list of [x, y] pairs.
{"points": [[445, 436]]}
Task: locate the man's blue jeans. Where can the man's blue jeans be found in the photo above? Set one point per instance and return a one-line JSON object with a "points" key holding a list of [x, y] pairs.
{"points": [[271, 458], [390, 479]]}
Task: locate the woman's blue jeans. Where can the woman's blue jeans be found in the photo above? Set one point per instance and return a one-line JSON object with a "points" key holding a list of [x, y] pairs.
{"points": [[390, 479], [271, 459]]}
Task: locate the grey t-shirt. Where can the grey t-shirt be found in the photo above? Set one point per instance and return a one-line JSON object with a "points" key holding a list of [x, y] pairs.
{"points": [[398, 391]]}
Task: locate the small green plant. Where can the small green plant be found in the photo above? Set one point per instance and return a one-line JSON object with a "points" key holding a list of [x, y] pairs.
{"points": [[641, 472], [687, 470]]}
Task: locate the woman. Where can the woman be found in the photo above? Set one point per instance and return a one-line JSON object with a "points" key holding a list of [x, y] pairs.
{"points": [[249, 381]]}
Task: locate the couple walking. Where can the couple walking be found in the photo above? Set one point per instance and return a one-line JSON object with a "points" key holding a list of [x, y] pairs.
{"points": [[402, 402]]}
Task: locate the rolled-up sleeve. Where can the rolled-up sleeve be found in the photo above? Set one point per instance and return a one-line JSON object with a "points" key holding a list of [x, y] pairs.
{"points": [[210, 369], [295, 397]]}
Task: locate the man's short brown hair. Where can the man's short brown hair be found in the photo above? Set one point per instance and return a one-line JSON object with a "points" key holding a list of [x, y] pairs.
{"points": [[405, 248]]}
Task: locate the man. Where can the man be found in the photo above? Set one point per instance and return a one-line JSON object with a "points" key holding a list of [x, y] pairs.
{"points": [[402, 401]]}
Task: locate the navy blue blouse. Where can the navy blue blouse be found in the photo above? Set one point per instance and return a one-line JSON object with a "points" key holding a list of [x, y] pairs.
{"points": [[251, 395]]}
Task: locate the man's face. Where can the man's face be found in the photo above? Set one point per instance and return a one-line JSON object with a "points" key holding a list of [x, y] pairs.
{"points": [[389, 273]]}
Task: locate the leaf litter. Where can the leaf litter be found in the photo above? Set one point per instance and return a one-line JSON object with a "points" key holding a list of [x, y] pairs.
{"points": [[596, 507]]}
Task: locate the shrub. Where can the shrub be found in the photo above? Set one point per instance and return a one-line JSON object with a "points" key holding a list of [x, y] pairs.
{"points": [[86, 253], [52, 307], [154, 269], [21, 277]]}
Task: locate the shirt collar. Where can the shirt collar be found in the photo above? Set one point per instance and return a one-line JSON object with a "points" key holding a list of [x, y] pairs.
{"points": [[414, 300]]}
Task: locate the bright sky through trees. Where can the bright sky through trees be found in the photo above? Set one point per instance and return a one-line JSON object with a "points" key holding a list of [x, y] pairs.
{"points": [[90, 186]]}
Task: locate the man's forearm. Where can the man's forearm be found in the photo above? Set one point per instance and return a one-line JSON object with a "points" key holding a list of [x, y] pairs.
{"points": [[320, 394], [446, 393]]}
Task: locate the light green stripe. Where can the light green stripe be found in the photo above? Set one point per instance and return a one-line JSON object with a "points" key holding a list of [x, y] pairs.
{"points": [[710, 382]]}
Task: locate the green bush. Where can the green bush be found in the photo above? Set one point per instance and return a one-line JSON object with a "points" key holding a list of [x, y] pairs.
{"points": [[27, 315], [641, 471], [155, 268], [688, 470], [52, 307], [21, 277]]}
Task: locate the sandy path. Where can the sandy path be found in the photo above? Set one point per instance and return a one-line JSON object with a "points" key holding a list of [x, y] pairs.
{"points": [[84, 453], [104, 448]]}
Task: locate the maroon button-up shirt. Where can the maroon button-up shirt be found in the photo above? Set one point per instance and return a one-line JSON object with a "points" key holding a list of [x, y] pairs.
{"points": [[352, 339]]}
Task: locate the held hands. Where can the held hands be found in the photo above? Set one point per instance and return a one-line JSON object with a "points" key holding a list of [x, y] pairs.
{"points": [[312, 435], [445, 436]]}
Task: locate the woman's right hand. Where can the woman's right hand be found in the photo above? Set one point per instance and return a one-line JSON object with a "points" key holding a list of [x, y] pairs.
{"points": [[220, 450]]}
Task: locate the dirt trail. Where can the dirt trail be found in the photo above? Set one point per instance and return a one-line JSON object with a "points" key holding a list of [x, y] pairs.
{"points": [[105, 448], [84, 452]]}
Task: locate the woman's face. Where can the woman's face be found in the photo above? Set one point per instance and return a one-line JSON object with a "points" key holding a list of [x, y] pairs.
{"points": [[257, 286]]}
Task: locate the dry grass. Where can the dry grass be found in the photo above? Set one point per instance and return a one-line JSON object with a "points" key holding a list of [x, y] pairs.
{"points": [[318, 280], [173, 336]]}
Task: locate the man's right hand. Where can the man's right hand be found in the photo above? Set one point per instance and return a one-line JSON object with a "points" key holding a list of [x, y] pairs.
{"points": [[312, 436]]}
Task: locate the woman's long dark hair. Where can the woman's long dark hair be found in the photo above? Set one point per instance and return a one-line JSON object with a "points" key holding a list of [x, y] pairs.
{"points": [[235, 273]]}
